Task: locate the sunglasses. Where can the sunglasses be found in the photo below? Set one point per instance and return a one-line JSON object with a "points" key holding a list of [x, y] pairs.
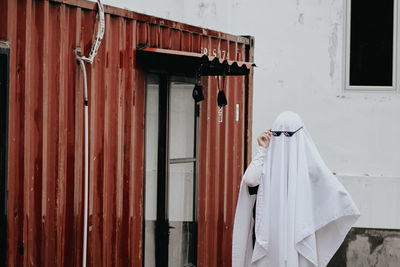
{"points": [[286, 133]]}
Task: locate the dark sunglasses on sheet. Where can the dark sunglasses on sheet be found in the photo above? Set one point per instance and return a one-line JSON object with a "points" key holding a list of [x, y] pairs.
{"points": [[286, 133]]}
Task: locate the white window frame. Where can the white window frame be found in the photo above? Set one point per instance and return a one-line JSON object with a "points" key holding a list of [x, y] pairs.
{"points": [[396, 61]]}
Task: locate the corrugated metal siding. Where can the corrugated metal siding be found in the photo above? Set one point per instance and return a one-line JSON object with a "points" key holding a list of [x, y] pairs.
{"points": [[45, 178], [221, 166]]}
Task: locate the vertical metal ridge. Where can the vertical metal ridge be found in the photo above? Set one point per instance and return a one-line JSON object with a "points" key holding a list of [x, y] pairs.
{"points": [[175, 39], [43, 86], [139, 170], [235, 177], [165, 37], [202, 173], [221, 247], [126, 106], [120, 162], [203, 170], [131, 30], [62, 133], [213, 178], [115, 88], [220, 192], [78, 150], [72, 82], [249, 104], [14, 209], [227, 117], [25, 35], [45, 201], [241, 122], [52, 138], [209, 198], [106, 200], [102, 151], [208, 212], [233, 53], [31, 144], [228, 210], [98, 92], [215, 190], [228, 171]]}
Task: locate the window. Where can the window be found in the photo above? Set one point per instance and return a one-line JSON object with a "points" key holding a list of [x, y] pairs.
{"points": [[4, 74], [371, 45]]}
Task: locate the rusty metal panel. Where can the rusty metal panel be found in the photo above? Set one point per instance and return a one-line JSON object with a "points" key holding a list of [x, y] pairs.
{"points": [[221, 167], [165, 38], [154, 35], [176, 39], [196, 43], [45, 172], [221, 164], [186, 40]]}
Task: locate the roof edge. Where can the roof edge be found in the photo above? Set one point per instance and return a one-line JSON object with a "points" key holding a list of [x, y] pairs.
{"points": [[116, 11]]}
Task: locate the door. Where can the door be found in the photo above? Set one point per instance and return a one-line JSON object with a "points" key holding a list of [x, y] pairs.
{"points": [[4, 90], [170, 183]]}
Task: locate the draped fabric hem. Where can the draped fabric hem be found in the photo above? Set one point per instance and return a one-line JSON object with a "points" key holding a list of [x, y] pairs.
{"points": [[322, 258]]}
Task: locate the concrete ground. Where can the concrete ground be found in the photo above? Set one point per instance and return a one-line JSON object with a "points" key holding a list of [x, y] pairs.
{"points": [[369, 247]]}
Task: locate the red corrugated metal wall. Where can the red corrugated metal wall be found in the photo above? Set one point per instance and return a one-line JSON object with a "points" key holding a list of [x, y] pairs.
{"points": [[45, 175]]}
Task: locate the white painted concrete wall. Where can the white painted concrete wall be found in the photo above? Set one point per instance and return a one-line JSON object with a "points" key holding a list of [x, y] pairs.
{"points": [[299, 51]]}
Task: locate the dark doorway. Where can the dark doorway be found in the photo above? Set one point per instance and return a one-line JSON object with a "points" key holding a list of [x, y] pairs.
{"points": [[371, 43], [170, 185], [4, 88]]}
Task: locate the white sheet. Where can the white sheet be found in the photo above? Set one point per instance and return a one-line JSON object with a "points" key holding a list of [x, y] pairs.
{"points": [[303, 212]]}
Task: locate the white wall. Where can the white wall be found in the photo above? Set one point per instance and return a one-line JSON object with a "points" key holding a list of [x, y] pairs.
{"points": [[299, 51], [214, 14]]}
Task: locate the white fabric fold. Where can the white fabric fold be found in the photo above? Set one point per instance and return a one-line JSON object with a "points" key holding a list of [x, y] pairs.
{"points": [[254, 170], [303, 213]]}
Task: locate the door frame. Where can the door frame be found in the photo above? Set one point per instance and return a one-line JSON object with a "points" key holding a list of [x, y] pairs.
{"points": [[4, 121], [162, 224]]}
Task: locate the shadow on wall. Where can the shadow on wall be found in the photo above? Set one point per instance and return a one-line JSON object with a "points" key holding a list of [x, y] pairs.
{"points": [[368, 247]]}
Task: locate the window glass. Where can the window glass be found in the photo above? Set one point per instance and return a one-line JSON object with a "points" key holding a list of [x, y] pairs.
{"points": [[181, 246], [150, 181], [371, 43], [181, 124], [180, 192]]}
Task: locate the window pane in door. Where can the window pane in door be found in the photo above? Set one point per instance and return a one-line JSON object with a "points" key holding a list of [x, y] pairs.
{"points": [[180, 192], [151, 154], [181, 245], [371, 43], [181, 124]]}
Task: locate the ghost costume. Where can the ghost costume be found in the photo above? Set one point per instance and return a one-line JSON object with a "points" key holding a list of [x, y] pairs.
{"points": [[302, 212]]}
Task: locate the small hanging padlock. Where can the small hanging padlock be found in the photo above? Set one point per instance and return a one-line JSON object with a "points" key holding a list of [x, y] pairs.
{"points": [[221, 99], [220, 114]]}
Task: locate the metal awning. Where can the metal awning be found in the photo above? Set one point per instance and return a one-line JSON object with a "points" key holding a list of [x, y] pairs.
{"points": [[182, 62]]}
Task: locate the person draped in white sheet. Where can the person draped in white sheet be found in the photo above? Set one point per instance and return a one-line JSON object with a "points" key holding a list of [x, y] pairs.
{"points": [[291, 210]]}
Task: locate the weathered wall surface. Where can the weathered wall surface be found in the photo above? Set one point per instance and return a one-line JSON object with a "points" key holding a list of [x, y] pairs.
{"points": [[299, 53], [366, 247]]}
